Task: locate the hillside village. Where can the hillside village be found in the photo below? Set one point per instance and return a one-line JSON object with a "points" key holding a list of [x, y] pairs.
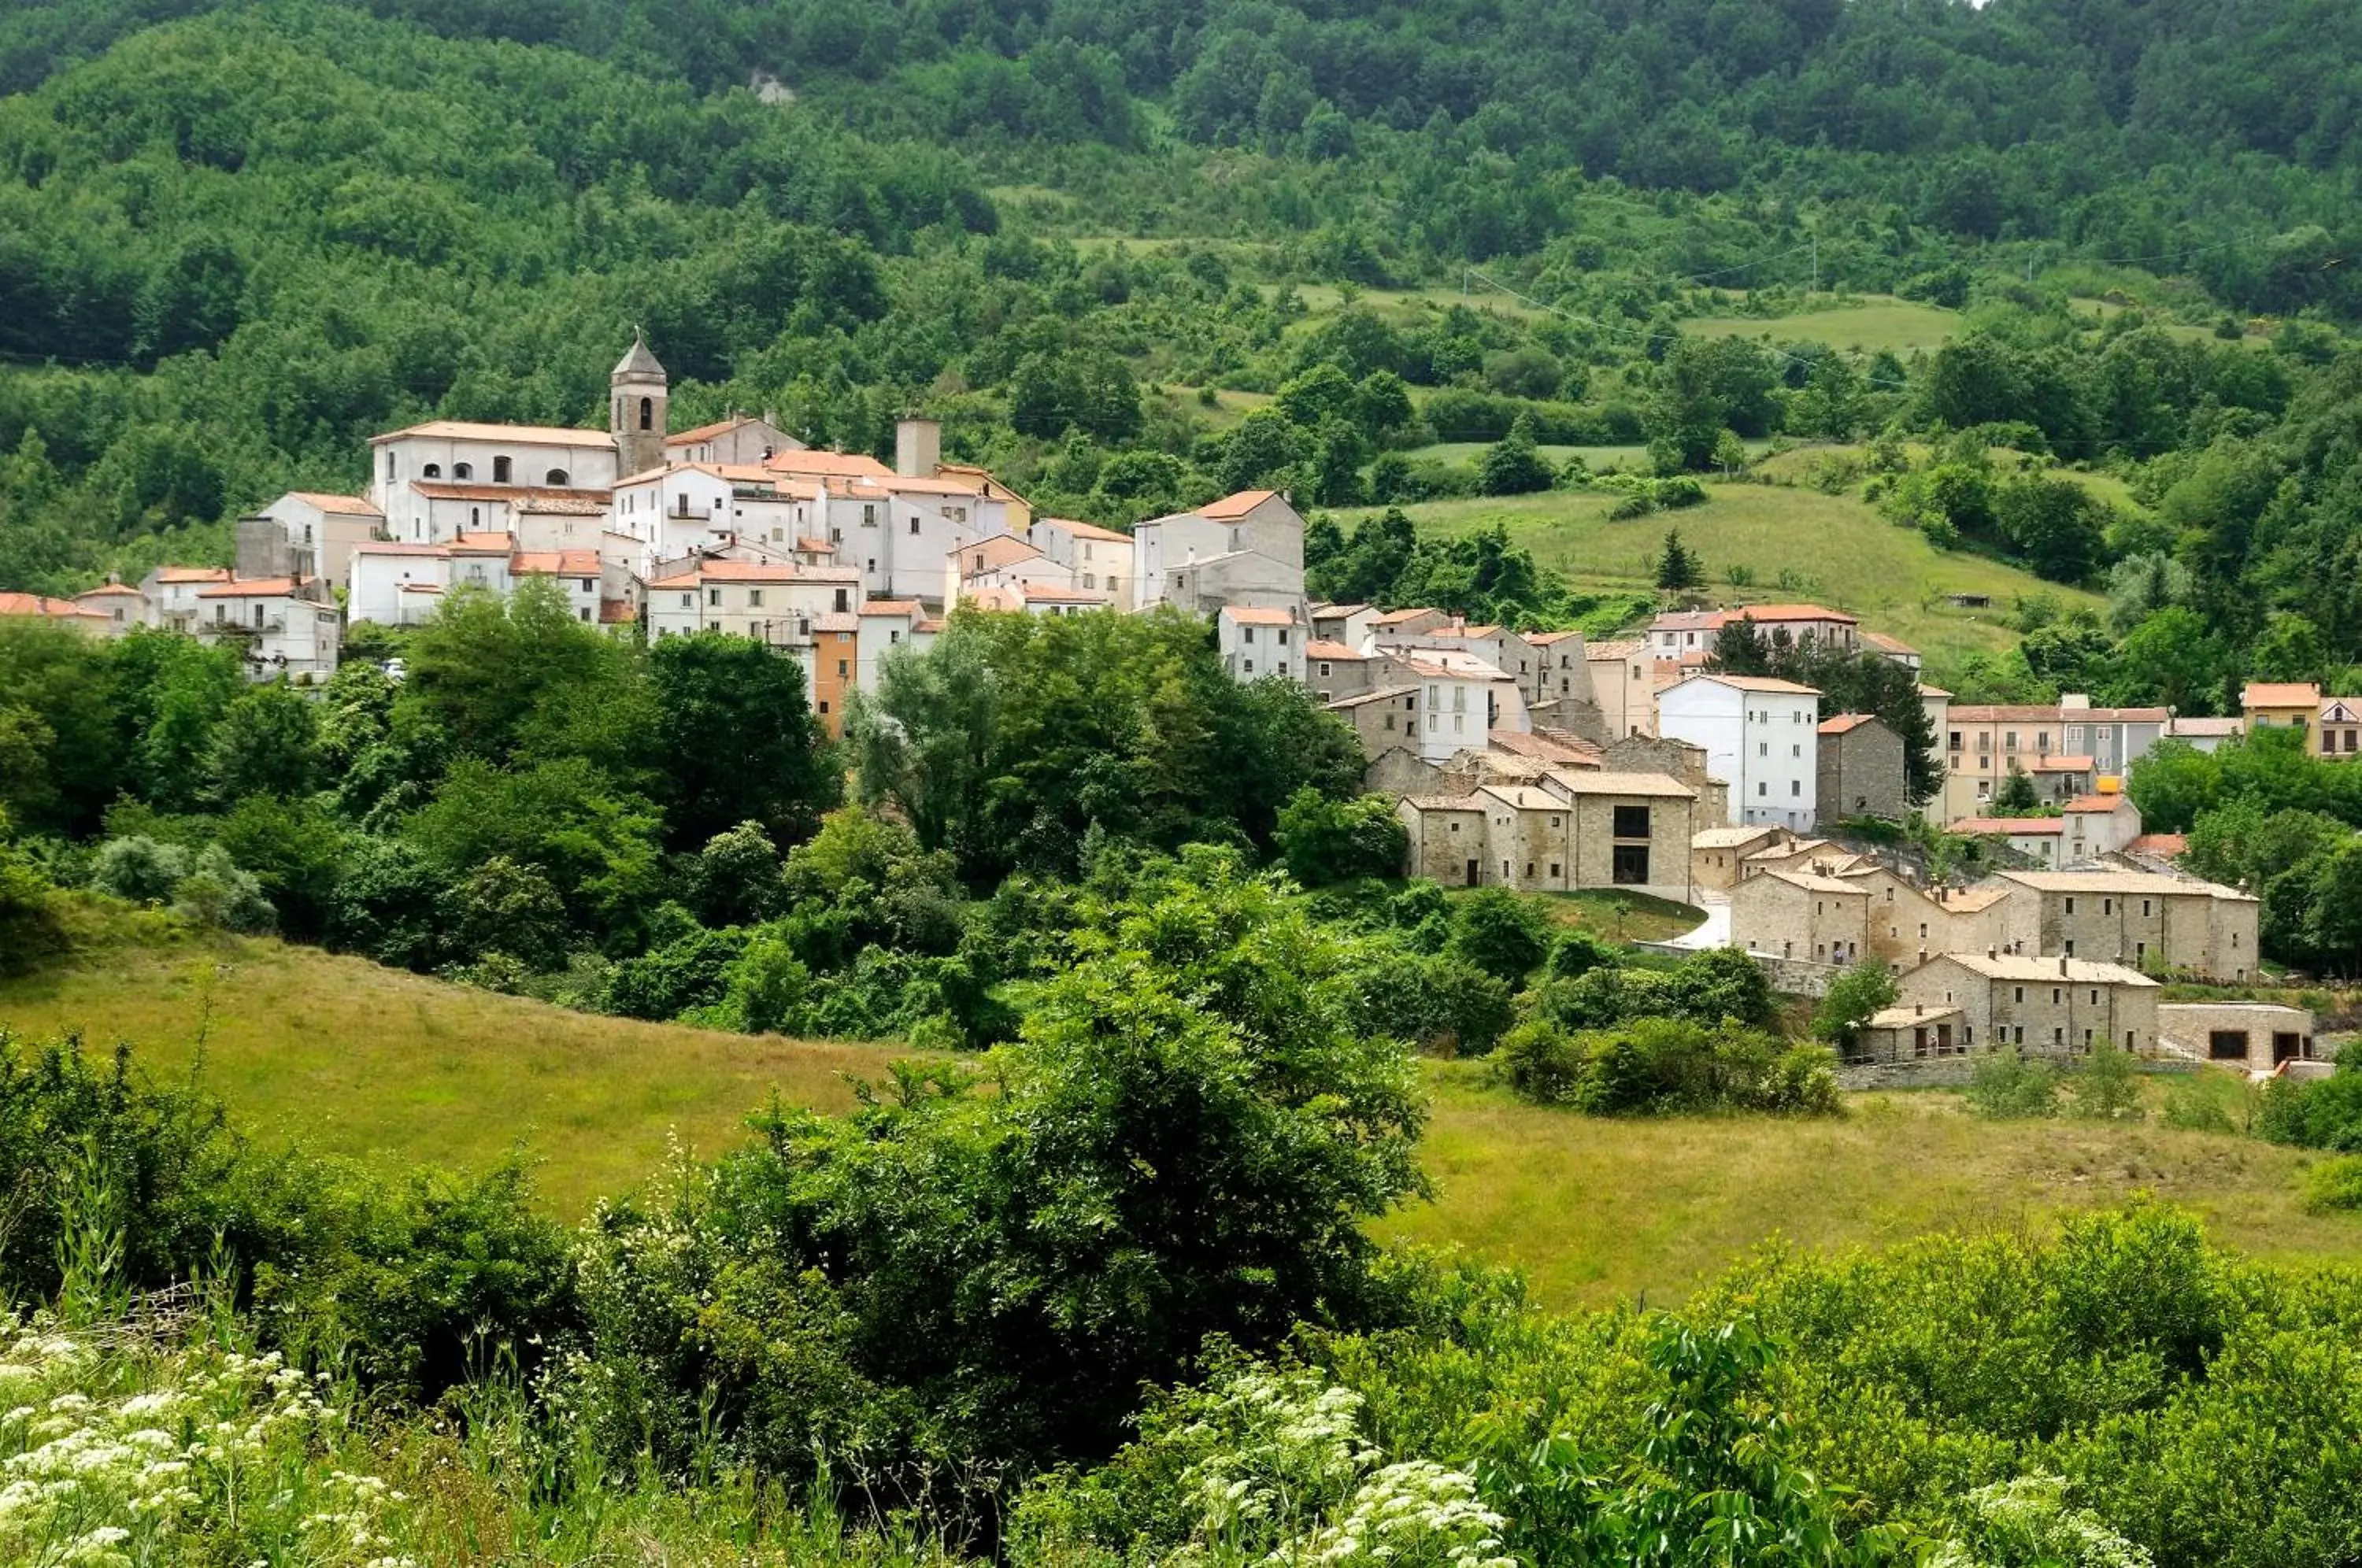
{"points": [[1536, 761]]}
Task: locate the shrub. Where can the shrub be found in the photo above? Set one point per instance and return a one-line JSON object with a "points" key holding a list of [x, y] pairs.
{"points": [[2008, 1087], [140, 868], [690, 972], [1542, 1063], [1434, 1000], [1662, 1066], [2335, 1184], [1501, 933], [2107, 1086], [2189, 1109]]}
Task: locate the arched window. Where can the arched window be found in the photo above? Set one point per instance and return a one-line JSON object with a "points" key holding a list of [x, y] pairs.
{"points": [[647, 413], [433, 471], [555, 476], [500, 470], [463, 471]]}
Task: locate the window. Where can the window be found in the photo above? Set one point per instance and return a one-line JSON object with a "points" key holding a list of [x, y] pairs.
{"points": [[1761, 788], [1631, 822], [688, 599], [500, 470], [1249, 667], [1762, 749], [389, 462], [2095, 997], [714, 596], [754, 599], [1630, 866], [590, 584], [1956, 741], [463, 471], [433, 471], [2144, 908], [647, 413], [914, 524], [2070, 903], [1324, 667], [1796, 787], [870, 515], [2055, 998], [1246, 633], [1554, 871], [839, 670], [2018, 993]]}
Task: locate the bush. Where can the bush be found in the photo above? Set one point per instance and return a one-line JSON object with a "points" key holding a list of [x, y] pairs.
{"points": [[2335, 1185], [2008, 1088], [1667, 1065], [690, 972], [1501, 933], [139, 869], [2189, 1109], [1433, 1000], [2107, 1086]]}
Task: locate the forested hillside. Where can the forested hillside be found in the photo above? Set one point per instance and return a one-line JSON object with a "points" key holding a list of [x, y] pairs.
{"points": [[236, 240]]}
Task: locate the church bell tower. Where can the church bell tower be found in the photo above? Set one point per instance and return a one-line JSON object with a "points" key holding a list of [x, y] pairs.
{"points": [[638, 393]]}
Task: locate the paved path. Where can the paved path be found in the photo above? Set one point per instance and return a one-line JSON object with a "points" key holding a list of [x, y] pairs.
{"points": [[1714, 931]]}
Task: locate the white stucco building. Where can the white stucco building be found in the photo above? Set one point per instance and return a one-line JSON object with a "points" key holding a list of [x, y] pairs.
{"points": [[1760, 737], [1246, 548]]}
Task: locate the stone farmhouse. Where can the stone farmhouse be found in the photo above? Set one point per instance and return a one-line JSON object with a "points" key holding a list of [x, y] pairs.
{"points": [[1859, 768], [2048, 1007], [2148, 922], [1568, 829]]}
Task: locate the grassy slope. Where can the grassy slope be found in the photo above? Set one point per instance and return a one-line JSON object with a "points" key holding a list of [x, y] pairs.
{"points": [[1840, 552], [387, 1066], [377, 1063], [1900, 326]]}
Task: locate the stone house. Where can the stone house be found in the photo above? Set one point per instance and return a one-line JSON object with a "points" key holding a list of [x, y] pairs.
{"points": [[1914, 1032], [1683, 760], [2037, 838], [1796, 914], [1908, 924], [2261, 1037], [1568, 829], [1862, 773], [1717, 853], [1336, 670], [1384, 718], [2049, 1006], [1816, 855], [2143, 920]]}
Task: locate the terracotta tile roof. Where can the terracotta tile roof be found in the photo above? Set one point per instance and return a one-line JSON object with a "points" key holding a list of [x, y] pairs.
{"points": [[485, 544], [2121, 882], [2065, 764], [1083, 530], [1549, 639], [2095, 803], [1380, 694], [756, 571], [1989, 712], [546, 496], [1759, 683], [2019, 827], [2168, 845], [930, 626], [194, 574], [1793, 613], [1622, 647], [45, 607], [1927, 691], [1237, 505], [397, 548], [1396, 617], [343, 505], [1319, 647], [1845, 722], [1885, 644], [1570, 750], [555, 563], [522, 434], [837, 621], [891, 607], [992, 554], [1258, 615], [812, 463], [707, 432], [812, 546], [110, 590], [2025, 966], [251, 588], [2280, 694], [2202, 726]]}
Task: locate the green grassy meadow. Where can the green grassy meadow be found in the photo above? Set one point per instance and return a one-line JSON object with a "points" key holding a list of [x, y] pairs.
{"points": [[1875, 323], [392, 1069], [1835, 550]]}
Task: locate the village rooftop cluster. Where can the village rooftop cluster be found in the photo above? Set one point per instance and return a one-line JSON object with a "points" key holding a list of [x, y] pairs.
{"points": [[1530, 761]]}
